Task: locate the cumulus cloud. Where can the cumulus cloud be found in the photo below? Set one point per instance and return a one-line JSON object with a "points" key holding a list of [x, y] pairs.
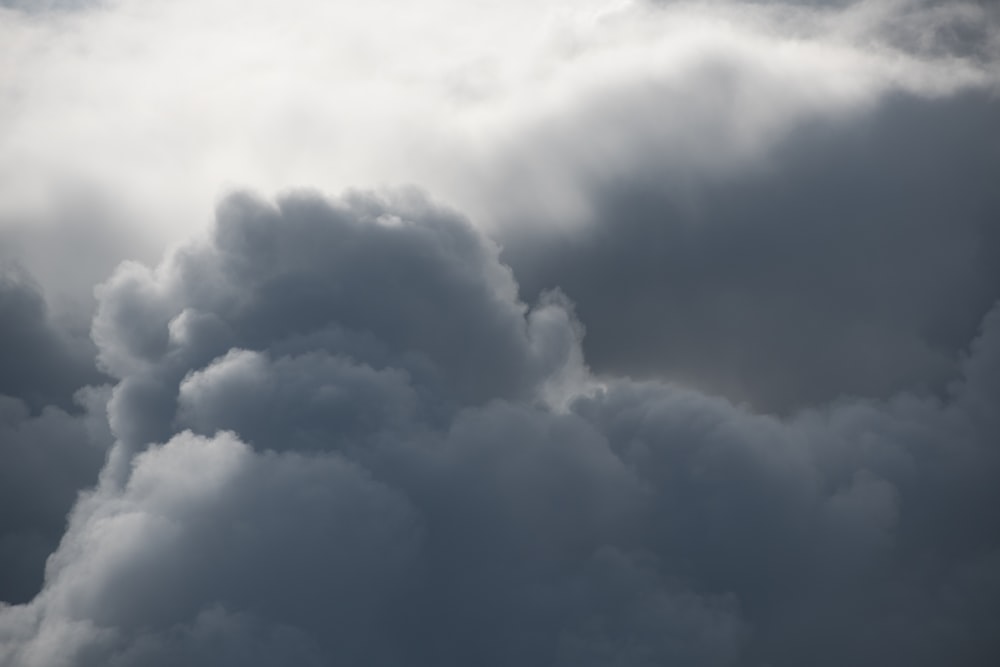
{"points": [[708, 376], [322, 462], [407, 288]]}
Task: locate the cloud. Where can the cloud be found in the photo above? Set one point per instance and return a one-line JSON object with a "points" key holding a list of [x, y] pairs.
{"points": [[855, 257], [393, 283], [48, 458], [34, 6], [197, 520], [52, 435], [159, 108], [365, 429], [324, 462], [40, 362]]}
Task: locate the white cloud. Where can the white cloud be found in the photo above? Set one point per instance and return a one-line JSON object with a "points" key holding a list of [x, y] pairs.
{"points": [[164, 106]]}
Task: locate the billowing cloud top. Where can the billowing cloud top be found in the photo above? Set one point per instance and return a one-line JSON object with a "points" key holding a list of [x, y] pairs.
{"points": [[690, 357], [359, 460]]}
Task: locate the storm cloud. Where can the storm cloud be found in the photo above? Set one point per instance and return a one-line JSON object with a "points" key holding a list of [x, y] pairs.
{"points": [[652, 333], [338, 479], [856, 257], [52, 432]]}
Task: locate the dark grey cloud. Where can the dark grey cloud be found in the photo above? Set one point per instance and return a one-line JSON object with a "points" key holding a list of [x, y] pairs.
{"points": [[343, 431], [41, 363], [342, 439], [855, 257], [47, 459], [419, 299], [849, 517], [52, 442]]}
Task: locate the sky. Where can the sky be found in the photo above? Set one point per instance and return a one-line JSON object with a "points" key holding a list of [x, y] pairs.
{"points": [[636, 332]]}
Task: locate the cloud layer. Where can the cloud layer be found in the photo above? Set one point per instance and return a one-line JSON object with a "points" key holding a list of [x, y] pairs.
{"points": [[52, 436], [856, 257], [171, 103], [353, 468], [708, 375]]}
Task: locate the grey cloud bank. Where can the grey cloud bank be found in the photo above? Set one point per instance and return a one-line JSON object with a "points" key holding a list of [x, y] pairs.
{"points": [[855, 257], [711, 376], [40, 363], [50, 444], [354, 468]]}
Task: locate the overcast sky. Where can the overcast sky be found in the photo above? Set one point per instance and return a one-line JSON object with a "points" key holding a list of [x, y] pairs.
{"points": [[513, 333]]}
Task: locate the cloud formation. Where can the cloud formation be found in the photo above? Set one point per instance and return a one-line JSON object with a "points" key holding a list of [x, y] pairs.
{"points": [[39, 363], [173, 103], [47, 458], [855, 257], [352, 467], [52, 437], [708, 376]]}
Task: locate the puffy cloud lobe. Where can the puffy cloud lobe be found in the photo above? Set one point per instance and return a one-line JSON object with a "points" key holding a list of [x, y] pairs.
{"points": [[352, 489], [836, 529], [391, 284], [198, 522], [296, 402]]}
